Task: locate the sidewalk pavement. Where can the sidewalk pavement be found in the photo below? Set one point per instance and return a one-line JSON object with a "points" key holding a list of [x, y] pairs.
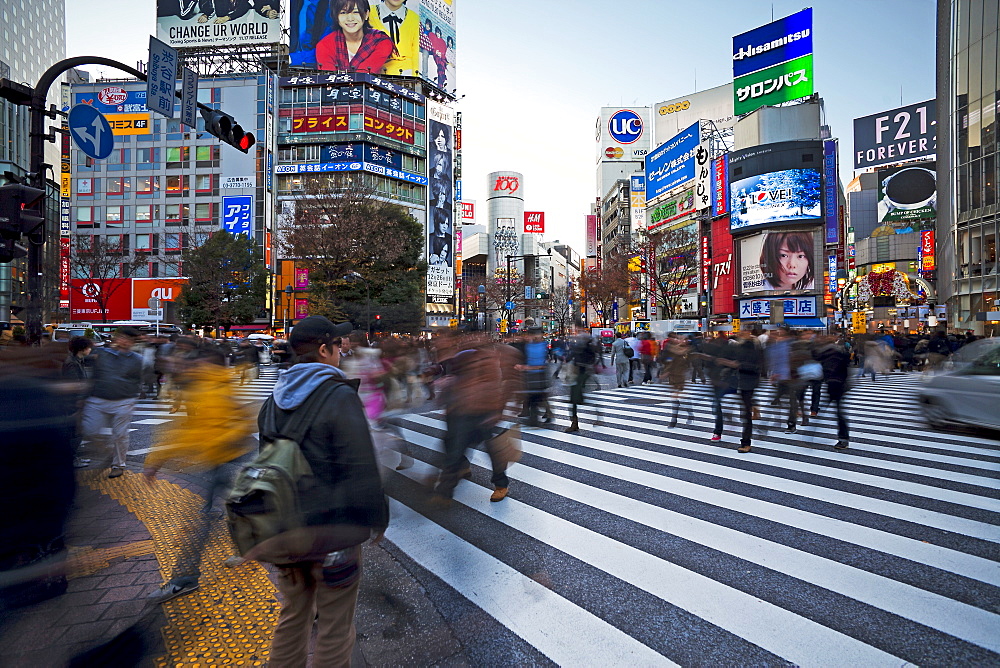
{"points": [[122, 538]]}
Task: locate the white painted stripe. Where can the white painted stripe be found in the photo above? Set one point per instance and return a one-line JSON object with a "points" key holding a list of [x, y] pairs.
{"points": [[846, 499], [905, 486], [946, 559], [790, 636], [933, 610], [149, 421], [562, 631], [706, 420]]}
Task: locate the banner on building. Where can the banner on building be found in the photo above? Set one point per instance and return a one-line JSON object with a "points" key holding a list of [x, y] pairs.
{"points": [[778, 260], [831, 192], [238, 214], [773, 63], [97, 300], [723, 266], [795, 307], [927, 262], [672, 164], [441, 202], [591, 222], [637, 201], [146, 289], [898, 135], [673, 208], [222, 23]]}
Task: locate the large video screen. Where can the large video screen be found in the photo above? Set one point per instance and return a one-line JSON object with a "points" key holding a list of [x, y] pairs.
{"points": [[786, 196], [394, 37]]}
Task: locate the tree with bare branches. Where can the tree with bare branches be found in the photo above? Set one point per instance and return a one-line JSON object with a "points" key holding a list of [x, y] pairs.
{"points": [[340, 226], [671, 257], [563, 307], [103, 258], [603, 287]]}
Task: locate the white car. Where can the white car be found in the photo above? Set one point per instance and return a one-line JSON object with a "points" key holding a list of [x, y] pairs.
{"points": [[969, 393]]}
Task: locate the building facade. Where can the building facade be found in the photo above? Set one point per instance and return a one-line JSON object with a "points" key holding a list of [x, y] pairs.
{"points": [[968, 168]]}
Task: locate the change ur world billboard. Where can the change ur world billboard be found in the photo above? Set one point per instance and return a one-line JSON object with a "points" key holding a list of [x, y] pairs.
{"points": [[673, 163], [773, 64], [185, 23], [787, 196]]}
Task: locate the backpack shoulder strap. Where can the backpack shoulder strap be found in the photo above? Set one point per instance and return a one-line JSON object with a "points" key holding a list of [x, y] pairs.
{"points": [[301, 418]]}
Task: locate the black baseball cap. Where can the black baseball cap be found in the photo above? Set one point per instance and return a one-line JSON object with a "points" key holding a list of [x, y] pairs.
{"points": [[314, 331]]}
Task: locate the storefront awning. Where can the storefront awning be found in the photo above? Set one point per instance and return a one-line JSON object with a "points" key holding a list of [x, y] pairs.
{"points": [[805, 323]]}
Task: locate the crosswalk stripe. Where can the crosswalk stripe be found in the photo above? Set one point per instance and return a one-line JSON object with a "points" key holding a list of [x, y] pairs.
{"points": [[564, 632]]}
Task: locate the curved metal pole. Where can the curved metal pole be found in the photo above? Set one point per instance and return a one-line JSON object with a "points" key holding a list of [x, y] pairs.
{"points": [[38, 169]]}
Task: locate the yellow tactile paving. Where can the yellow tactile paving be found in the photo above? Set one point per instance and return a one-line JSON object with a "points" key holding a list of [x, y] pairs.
{"points": [[228, 621], [87, 560]]}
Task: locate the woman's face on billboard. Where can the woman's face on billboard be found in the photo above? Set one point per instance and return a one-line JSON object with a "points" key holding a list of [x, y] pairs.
{"points": [[351, 21], [792, 267]]}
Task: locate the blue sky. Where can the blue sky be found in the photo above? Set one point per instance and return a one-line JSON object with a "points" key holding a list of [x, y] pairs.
{"points": [[534, 75]]}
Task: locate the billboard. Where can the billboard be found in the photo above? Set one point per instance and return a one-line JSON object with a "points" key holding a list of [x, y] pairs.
{"points": [[84, 295], [468, 212], [906, 195], [637, 201], [787, 196], [415, 39], [237, 214], [831, 191], [778, 260], [673, 163], [125, 109], [673, 208], [144, 289], [722, 280], [441, 202], [534, 222], [623, 135], [222, 23], [773, 63], [714, 104], [591, 222], [796, 307], [927, 251], [720, 186], [888, 137]]}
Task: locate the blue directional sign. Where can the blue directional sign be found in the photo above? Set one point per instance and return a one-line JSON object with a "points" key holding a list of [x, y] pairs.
{"points": [[509, 306], [237, 214], [91, 131]]}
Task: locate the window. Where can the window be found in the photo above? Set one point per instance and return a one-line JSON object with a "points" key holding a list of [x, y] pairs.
{"points": [[113, 216], [203, 153], [200, 238], [172, 241], [177, 156], [84, 241], [117, 157], [119, 185], [144, 242], [84, 216], [142, 271], [147, 156], [203, 183], [147, 185], [144, 215], [84, 160], [172, 269], [176, 186], [203, 212]]}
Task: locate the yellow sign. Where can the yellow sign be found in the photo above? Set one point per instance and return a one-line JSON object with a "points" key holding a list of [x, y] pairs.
{"points": [[453, 323], [882, 267], [858, 321], [66, 186], [503, 326], [736, 325], [635, 263], [129, 124]]}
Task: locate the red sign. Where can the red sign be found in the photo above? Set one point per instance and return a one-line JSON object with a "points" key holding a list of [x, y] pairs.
{"points": [[112, 96], [324, 123], [719, 194], [301, 308], [301, 277], [722, 280], [388, 129], [613, 152], [506, 184], [706, 264], [927, 250], [534, 222], [468, 210], [115, 292]]}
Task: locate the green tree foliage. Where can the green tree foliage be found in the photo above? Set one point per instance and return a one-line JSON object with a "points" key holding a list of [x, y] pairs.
{"points": [[340, 227], [228, 282]]}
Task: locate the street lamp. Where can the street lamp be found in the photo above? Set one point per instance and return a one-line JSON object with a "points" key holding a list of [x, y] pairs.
{"points": [[479, 307], [288, 305], [355, 276]]}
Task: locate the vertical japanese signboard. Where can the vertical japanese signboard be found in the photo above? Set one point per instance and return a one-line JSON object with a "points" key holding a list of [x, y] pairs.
{"points": [[189, 97], [441, 204], [927, 250], [720, 186], [830, 192], [161, 78], [637, 201], [237, 214], [773, 63], [591, 236]]}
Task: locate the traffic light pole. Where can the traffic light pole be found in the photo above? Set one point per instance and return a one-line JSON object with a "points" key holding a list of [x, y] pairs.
{"points": [[38, 137]]}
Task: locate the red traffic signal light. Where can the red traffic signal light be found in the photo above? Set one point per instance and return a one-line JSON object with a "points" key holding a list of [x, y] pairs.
{"points": [[222, 125], [378, 317]]}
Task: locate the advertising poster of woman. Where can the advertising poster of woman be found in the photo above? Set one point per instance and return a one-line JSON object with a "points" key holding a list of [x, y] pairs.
{"points": [[779, 260]]}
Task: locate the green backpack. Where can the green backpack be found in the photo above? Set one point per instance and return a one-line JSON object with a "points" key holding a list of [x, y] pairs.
{"points": [[264, 501]]}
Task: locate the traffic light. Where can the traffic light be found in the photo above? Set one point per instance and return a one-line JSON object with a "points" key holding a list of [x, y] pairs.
{"points": [[20, 214], [222, 125]]}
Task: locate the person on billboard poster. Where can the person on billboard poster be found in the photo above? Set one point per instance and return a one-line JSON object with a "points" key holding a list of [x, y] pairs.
{"points": [[311, 22], [786, 260], [402, 25], [354, 45], [230, 10]]}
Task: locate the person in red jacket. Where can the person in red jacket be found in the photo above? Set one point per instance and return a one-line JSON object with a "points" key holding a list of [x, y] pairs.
{"points": [[354, 45]]}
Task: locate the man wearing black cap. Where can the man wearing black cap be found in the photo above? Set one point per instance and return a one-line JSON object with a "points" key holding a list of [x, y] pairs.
{"points": [[346, 502]]}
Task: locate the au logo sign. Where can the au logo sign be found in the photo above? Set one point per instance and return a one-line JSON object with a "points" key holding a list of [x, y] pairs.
{"points": [[625, 126]]}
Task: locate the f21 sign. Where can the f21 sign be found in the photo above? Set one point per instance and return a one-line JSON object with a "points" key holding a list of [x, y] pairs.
{"points": [[897, 135]]}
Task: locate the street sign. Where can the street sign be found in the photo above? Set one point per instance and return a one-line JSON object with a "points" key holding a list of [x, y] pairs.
{"points": [[161, 79], [154, 303], [91, 131], [509, 306], [189, 97]]}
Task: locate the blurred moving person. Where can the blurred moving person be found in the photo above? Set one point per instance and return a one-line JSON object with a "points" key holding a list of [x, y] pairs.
{"points": [[76, 369], [747, 359], [536, 376], [620, 359], [675, 352], [117, 383], [213, 434], [836, 362], [584, 357], [321, 586]]}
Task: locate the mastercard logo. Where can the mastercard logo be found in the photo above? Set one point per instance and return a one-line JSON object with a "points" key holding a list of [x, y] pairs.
{"points": [[613, 152]]}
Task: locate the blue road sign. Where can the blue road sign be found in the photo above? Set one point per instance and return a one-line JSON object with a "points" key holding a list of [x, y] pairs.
{"points": [[91, 131], [509, 306]]}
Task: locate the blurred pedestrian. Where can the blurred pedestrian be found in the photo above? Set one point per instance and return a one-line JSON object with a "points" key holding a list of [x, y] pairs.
{"points": [[621, 359], [584, 357], [117, 380], [747, 360], [346, 505], [77, 370], [782, 364], [535, 373], [836, 362], [675, 351]]}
